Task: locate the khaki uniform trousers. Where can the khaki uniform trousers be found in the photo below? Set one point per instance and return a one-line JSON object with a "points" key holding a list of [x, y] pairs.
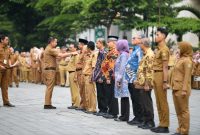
{"points": [[80, 81], [34, 75], [161, 99], [57, 77], [13, 76], [27, 75], [75, 95], [4, 75], [182, 111], [90, 94], [64, 75], [49, 78], [21, 74]]}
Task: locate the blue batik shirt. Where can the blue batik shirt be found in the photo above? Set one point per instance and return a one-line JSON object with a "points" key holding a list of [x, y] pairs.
{"points": [[132, 64]]}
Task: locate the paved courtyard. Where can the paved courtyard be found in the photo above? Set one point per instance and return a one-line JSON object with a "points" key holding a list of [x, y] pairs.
{"points": [[29, 117]]}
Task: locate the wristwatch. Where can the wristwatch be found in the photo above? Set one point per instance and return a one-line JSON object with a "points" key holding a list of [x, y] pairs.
{"points": [[164, 81]]}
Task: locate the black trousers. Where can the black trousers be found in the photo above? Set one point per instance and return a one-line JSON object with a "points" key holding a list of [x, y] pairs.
{"points": [[136, 102], [111, 101], [101, 97], [125, 108], [147, 105]]}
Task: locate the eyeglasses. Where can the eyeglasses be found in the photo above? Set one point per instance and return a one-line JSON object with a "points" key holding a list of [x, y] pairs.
{"points": [[136, 38]]}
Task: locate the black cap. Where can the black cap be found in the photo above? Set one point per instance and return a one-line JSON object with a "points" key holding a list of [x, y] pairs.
{"points": [[84, 41], [91, 45], [113, 38]]}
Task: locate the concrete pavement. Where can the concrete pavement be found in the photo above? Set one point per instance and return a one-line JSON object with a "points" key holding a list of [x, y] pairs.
{"points": [[29, 117]]}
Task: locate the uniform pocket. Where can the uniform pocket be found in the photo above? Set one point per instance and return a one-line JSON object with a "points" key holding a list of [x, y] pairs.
{"points": [[177, 85]]}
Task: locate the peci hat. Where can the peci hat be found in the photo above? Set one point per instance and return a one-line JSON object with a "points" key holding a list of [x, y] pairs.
{"points": [[113, 38], [84, 41]]}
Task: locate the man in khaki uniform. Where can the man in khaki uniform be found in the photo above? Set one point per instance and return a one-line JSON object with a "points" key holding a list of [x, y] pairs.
{"points": [[64, 75], [90, 59], [160, 81], [172, 60], [71, 68], [50, 55], [20, 67], [41, 61], [27, 68], [80, 79], [57, 68], [4, 65], [13, 68], [181, 85], [34, 64]]}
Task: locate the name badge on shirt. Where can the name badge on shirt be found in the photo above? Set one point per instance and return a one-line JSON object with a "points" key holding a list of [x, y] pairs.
{"points": [[5, 61]]}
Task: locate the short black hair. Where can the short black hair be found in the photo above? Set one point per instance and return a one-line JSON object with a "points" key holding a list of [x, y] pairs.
{"points": [[63, 47], [2, 37], [75, 46], [91, 45], [50, 39], [163, 31]]}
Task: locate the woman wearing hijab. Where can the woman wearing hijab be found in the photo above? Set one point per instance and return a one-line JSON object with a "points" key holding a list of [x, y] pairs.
{"points": [[121, 85], [181, 85]]}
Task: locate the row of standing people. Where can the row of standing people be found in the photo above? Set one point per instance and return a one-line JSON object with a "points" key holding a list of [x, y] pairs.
{"points": [[118, 74]]}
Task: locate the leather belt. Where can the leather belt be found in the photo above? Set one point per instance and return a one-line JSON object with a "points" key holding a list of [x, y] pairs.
{"points": [[71, 71], [170, 67], [78, 69], [50, 68], [158, 70], [63, 64]]}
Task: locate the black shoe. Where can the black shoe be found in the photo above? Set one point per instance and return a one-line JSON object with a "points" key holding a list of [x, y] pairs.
{"points": [[109, 116], [160, 130], [176, 134], [141, 125], [72, 107], [119, 120], [101, 114], [79, 109], [135, 123], [8, 105], [148, 126], [10, 86], [49, 107], [17, 86]]}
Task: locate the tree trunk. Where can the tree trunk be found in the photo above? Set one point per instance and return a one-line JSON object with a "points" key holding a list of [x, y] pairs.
{"points": [[179, 37], [108, 29]]}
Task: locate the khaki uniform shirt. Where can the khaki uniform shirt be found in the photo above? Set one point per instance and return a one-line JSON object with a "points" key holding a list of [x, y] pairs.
{"points": [[13, 58], [80, 59], [34, 60], [50, 55], [162, 54], [172, 60], [63, 62], [89, 63], [181, 78], [72, 63], [4, 56]]}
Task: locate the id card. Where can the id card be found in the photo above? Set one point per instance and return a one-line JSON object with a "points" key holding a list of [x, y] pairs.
{"points": [[5, 61], [197, 78]]}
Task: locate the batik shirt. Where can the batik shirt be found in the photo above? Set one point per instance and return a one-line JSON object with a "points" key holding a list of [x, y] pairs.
{"points": [[108, 64], [145, 70], [97, 74], [132, 64]]}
